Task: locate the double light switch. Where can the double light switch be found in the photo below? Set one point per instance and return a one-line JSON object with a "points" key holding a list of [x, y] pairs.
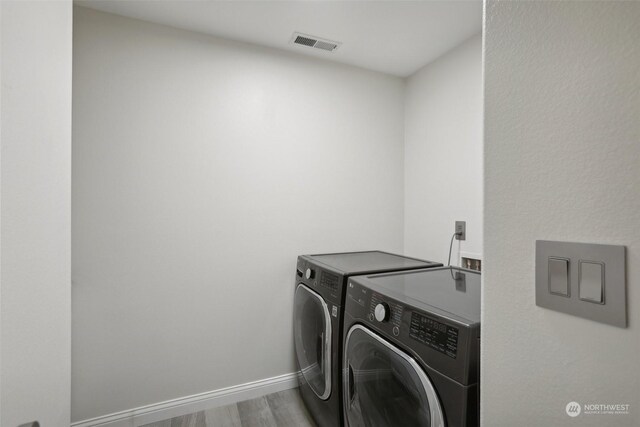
{"points": [[590, 279], [585, 280]]}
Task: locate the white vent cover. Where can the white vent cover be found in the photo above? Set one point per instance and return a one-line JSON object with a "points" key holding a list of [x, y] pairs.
{"points": [[314, 42]]}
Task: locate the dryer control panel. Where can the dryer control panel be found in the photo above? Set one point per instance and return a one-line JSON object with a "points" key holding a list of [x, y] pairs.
{"points": [[328, 284]]}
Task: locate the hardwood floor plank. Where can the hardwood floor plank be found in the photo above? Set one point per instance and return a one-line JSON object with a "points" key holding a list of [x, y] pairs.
{"points": [[256, 413], [164, 423], [191, 420], [288, 409], [223, 416], [282, 409]]}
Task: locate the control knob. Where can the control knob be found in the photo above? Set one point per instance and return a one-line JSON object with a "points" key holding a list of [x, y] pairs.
{"points": [[382, 312], [309, 274]]}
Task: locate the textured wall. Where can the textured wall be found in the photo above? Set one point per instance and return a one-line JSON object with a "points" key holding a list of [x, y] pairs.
{"points": [[35, 189], [443, 154], [201, 169], [562, 157]]}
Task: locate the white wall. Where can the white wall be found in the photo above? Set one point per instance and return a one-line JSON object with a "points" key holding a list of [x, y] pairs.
{"points": [[35, 190], [201, 169], [562, 156], [443, 154]]}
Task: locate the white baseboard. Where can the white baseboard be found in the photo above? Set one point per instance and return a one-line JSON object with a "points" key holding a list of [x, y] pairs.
{"points": [[194, 403]]}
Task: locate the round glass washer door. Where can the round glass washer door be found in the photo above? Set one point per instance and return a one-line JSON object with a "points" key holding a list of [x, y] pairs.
{"points": [[384, 386], [312, 339]]}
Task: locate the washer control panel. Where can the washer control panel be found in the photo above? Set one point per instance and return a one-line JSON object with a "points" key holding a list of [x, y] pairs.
{"points": [[385, 311], [447, 344], [437, 335]]}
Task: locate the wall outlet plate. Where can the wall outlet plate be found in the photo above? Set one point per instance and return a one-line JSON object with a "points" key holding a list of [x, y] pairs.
{"points": [[461, 227], [471, 263]]}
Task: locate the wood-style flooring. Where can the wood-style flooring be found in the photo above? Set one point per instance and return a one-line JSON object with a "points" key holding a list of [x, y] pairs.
{"points": [[282, 409]]}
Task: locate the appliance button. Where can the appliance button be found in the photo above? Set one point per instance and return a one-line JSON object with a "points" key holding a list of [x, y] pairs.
{"points": [[382, 312], [309, 274], [396, 331]]}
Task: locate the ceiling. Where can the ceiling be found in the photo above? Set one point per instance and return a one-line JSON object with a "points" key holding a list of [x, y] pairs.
{"points": [[394, 37]]}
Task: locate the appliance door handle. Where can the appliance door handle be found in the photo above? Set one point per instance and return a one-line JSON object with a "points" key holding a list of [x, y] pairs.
{"points": [[351, 385], [320, 351]]}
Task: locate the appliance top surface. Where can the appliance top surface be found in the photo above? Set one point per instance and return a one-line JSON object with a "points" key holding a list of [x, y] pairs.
{"points": [[367, 262], [450, 289]]}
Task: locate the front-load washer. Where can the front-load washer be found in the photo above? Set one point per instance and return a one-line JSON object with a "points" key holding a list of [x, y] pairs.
{"points": [[318, 320], [411, 349]]}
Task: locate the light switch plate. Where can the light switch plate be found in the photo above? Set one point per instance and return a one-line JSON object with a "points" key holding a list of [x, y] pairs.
{"points": [[607, 303]]}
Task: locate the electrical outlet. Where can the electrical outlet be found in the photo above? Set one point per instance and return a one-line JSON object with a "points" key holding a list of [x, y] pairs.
{"points": [[461, 230], [471, 263]]}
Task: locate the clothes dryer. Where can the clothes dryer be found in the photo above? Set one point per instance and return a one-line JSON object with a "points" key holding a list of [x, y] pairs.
{"points": [[412, 349]]}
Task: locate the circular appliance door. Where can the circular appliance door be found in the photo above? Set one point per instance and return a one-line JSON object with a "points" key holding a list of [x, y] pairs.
{"points": [[312, 338], [384, 386]]}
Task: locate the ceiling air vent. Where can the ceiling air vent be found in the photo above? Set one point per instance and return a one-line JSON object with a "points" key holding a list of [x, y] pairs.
{"points": [[314, 42]]}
